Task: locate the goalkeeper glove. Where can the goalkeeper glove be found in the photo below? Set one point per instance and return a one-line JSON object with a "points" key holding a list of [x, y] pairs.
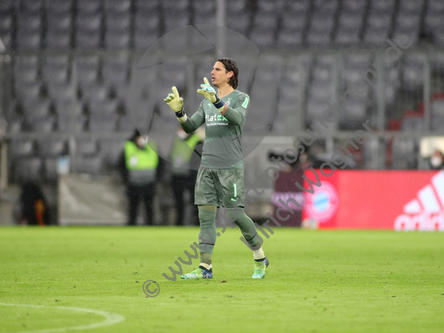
{"points": [[175, 102], [209, 93]]}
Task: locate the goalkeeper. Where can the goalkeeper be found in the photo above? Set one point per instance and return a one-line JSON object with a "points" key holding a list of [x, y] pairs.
{"points": [[220, 178]]}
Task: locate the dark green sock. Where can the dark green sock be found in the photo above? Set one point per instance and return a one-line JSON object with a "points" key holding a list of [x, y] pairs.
{"points": [[207, 235], [248, 229]]}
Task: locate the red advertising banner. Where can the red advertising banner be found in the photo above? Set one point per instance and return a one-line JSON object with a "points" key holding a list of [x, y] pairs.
{"points": [[356, 199]]}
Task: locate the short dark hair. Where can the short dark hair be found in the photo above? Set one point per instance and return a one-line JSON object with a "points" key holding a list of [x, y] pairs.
{"points": [[231, 66]]}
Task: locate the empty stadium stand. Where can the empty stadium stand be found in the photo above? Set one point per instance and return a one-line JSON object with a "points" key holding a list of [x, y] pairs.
{"points": [[73, 60]]}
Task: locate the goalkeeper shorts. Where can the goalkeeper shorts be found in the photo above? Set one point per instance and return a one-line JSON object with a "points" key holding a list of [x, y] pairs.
{"points": [[220, 188]]}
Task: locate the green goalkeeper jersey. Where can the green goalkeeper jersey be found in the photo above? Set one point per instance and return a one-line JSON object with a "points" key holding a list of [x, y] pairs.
{"points": [[222, 147]]}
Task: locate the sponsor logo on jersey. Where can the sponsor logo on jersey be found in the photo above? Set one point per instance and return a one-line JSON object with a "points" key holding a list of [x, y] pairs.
{"points": [[426, 212], [215, 118]]}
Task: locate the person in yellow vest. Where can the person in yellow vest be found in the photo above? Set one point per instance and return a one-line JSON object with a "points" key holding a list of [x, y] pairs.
{"points": [[185, 158], [138, 165]]}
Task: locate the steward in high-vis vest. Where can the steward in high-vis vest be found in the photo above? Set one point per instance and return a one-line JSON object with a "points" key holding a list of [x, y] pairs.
{"points": [[185, 159], [138, 165]]}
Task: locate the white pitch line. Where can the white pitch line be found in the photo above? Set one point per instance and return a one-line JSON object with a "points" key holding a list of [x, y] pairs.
{"points": [[110, 318]]}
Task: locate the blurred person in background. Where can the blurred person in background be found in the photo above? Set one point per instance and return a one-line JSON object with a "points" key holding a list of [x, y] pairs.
{"points": [[185, 157], [436, 161], [139, 165], [33, 205]]}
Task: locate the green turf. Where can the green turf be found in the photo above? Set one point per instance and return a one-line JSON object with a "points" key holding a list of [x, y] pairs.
{"points": [[318, 281]]}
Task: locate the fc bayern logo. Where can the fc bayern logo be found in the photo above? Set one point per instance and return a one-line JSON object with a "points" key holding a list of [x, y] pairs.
{"points": [[323, 203]]}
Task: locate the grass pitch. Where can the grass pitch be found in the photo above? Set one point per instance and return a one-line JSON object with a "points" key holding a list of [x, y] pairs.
{"points": [[318, 281]]}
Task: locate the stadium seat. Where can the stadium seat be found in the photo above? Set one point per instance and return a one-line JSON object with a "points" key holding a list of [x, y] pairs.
{"points": [[377, 20], [56, 21], [22, 148], [87, 70], [435, 5], [412, 124], [36, 107], [103, 107], [347, 36], [27, 40], [94, 92], [288, 101], [58, 40], [115, 70], [118, 6], [180, 5], [266, 20], [103, 122], [293, 20], [117, 40], [58, 6], [62, 92], [354, 6], [404, 156], [175, 19], [88, 30], [15, 124], [146, 29], [6, 6], [297, 6], [143, 5], [263, 38], [88, 6], [236, 6], [91, 165], [68, 123], [238, 22], [27, 90], [264, 93], [31, 5], [29, 21], [111, 149], [358, 61], [43, 124], [411, 6], [376, 35], [382, 6], [204, 11], [86, 146], [55, 69], [69, 107], [50, 169], [118, 22], [5, 22], [27, 169], [126, 123], [354, 116], [290, 38], [87, 40], [50, 147], [89, 21], [25, 69], [413, 72], [437, 123], [6, 38]]}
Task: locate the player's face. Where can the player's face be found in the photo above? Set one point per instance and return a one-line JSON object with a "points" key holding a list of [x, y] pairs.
{"points": [[219, 75]]}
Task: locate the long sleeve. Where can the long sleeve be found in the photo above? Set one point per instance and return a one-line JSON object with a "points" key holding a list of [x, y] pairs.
{"points": [[237, 114], [195, 121]]}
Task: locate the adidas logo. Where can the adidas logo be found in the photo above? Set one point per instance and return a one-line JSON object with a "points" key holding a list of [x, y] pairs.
{"points": [[426, 213]]}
